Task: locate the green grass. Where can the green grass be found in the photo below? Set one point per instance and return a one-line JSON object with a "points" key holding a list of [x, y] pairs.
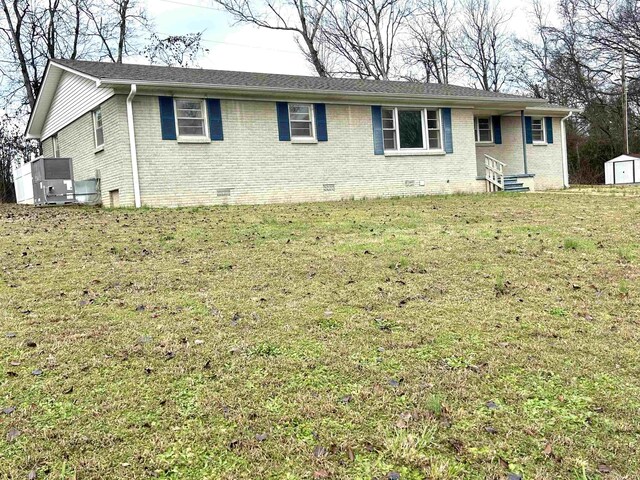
{"points": [[436, 337]]}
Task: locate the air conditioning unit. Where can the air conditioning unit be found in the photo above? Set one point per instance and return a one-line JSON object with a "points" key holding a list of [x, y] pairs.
{"points": [[52, 181]]}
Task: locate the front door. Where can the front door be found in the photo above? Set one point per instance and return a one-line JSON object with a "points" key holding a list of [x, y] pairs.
{"points": [[623, 172]]}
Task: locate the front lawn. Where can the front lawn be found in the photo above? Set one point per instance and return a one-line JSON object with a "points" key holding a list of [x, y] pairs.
{"points": [[438, 337]]}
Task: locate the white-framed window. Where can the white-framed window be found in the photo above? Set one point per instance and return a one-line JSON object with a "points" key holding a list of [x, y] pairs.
{"points": [[55, 146], [190, 117], [301, 120], [538, 133], [98, 132], [484, 129], [406, 128]]}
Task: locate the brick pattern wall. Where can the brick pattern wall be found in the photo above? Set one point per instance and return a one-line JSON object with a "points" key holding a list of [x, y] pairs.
{"points": [[76, 140], [253, 166], [545, 161]]}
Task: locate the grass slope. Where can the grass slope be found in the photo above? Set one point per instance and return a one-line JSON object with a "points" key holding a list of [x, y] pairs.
{"points": [[438, 337]]}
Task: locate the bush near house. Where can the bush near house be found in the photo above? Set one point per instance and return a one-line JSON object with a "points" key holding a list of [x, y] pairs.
{"points": [[438, 337]]}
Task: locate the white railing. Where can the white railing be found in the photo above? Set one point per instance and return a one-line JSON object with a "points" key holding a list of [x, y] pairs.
{"points": [[494, 174]]}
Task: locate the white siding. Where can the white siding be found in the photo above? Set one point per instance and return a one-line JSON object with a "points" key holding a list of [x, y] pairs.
{"points": [[74, 97]]}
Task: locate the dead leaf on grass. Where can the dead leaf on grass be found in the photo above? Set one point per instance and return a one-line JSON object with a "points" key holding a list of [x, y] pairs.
{"points": [[13, 434]]}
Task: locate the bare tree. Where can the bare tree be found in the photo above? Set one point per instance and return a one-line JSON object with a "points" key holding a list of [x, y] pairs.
{"points": [[430, 36], [483, 46], [16, 30], [362, 34], [175, 50], [302, 17], [118, 24]]}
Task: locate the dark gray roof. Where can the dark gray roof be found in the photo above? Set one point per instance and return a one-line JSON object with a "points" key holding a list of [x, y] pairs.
{"points": [[222, 78]]}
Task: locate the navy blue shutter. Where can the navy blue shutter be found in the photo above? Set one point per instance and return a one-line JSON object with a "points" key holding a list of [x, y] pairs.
{"points": [[376, 120], [167, 118], [284, 134], [448, 132], [215, 119], [497, 129], [549, 125], [320, 112], [528, 133]]}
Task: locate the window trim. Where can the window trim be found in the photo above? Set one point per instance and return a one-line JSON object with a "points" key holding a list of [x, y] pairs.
{"points": [[425, 149], [94, 115], [205, 121], [476, 127], [312, 121], [55, 146], [544, 131]]}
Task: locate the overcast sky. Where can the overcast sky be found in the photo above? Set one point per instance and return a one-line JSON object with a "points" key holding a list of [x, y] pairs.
{"points": [[246, 48]]}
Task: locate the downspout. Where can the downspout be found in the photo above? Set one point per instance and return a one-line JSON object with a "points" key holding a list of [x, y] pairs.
{"points": [[565, 156], [524, 142], [132, 145]]}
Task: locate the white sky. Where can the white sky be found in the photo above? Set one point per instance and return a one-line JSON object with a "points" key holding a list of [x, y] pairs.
{"points": [[247, 48]]}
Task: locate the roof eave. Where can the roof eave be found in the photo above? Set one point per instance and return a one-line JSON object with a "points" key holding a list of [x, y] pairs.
{"points": [[231, 89]]}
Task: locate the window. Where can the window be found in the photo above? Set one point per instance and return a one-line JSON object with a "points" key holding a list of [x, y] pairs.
{"points": [[411, 129], [301, 120], [537, 130], [389, 129], [190, 117], [55, 146], [484, 133], [97, 128]]}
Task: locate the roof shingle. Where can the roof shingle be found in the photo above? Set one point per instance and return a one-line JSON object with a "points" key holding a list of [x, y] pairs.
{"points": [[222, 78]]}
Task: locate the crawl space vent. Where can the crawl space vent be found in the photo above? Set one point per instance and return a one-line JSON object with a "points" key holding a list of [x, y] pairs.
{"points": [[409, 183], [223, 192], [329, 187]]}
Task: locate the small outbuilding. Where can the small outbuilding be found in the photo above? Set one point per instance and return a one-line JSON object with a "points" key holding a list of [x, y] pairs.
{"points": [[624, 169]]}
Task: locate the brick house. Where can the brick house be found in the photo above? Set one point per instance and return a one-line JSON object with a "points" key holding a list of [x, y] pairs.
{"points": [[162, 136]]}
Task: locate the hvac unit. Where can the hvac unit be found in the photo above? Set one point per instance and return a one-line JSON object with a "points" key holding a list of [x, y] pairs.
{"points": [[52, 181]]}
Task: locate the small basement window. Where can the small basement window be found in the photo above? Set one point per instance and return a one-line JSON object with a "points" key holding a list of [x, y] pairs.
{"points": [[484, 133], [190, 117], [301, 120], [537, 130], [98, 131]]}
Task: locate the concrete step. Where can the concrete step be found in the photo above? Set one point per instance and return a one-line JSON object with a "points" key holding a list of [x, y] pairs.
{"points": [[515, 189]]}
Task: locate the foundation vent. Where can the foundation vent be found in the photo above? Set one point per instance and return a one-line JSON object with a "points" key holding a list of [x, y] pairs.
{"points": [[329, 187], [409, 183], [223, 192]]}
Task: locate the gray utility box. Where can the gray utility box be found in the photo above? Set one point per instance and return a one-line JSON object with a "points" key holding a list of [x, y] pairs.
{"points": [[52, 181]]}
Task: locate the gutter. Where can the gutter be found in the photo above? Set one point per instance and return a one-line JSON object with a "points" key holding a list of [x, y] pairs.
{"points": [[565, 156], [324, 93], [132, 144]]}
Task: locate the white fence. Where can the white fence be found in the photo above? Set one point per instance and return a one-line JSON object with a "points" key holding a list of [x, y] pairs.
{"points": [[23, 184]]}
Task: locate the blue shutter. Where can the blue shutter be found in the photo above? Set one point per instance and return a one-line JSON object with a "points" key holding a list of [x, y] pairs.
{"points": [[497, 129], [284, 134], [528, 134], [376, 120], [215, 119], [320, 112], [549, 125], [448, 132], [167, 118]]}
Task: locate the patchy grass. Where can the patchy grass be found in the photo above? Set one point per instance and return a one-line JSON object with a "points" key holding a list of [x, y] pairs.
{"points": [[436, 337]]}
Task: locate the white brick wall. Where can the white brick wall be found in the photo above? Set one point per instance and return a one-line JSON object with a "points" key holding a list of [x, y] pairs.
{"points": [[545, 161], [258, 168], [114, 162]]}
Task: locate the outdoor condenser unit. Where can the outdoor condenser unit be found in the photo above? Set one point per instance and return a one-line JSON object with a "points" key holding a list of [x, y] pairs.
{"points": [[52, 181]]}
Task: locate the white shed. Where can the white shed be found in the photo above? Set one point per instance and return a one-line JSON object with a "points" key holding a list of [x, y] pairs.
{"points": [[622, 169]]}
